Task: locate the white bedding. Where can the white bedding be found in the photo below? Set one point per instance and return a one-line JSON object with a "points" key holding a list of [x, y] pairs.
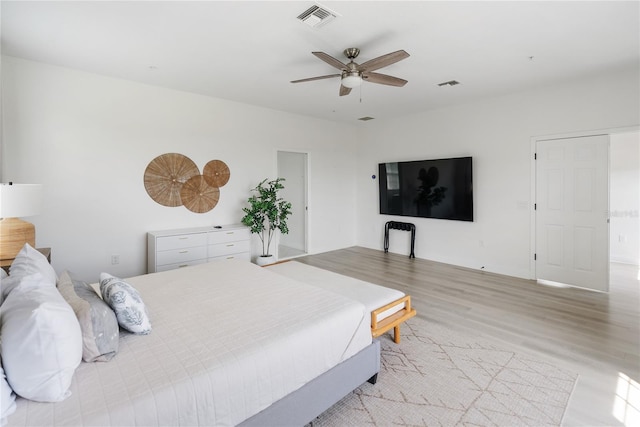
{"points": [[229, 338], [372, 296]]}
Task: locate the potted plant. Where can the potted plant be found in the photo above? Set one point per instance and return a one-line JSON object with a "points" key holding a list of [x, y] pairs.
{"points": [[267, 213]]}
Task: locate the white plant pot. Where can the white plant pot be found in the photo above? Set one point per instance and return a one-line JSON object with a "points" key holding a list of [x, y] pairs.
{"points": [[265, 260]]}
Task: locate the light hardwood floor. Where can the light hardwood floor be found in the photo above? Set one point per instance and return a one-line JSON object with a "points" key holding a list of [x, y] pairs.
{"points": [[595, 335]]}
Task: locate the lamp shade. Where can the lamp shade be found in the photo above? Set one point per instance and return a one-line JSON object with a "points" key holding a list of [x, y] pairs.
{"points": [[20, 200]]}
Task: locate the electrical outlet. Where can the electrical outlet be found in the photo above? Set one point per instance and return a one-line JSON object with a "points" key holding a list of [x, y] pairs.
{"points": [[115, 259]]}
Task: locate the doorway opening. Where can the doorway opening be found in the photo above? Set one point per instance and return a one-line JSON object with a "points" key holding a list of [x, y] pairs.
{"points": [[624, 200], [292, 166]]}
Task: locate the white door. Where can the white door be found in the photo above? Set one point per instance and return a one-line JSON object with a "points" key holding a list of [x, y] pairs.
{"points": [[572, 203], [292, 167]]}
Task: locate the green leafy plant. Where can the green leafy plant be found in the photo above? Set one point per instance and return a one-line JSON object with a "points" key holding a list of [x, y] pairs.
{"points": [[267, 212]]}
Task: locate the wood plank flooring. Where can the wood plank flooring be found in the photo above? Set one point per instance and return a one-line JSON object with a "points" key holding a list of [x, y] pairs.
{"points": [[596, 335]]}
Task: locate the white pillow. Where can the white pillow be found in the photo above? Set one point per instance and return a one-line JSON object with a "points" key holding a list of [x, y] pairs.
{"points": [[41, 341], [7, 399], [3, 276], [12, 282], [30, 261], [126, 302]]}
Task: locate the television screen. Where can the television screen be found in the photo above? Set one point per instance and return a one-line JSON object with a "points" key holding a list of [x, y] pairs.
{"points": [[427, 188]]}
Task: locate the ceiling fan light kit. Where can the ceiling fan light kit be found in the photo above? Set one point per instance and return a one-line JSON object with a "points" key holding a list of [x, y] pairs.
{"points": [[352, 74], [351, 79]]}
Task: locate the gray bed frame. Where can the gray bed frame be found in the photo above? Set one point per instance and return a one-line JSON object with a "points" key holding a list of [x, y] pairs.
{"points": [[305, 404]]}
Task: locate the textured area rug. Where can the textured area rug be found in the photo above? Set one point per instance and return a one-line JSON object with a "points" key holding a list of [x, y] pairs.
{"points": [[440, 377]]}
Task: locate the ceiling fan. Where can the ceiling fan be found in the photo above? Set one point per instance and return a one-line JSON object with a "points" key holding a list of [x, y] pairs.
{"points": [[353, 74]]}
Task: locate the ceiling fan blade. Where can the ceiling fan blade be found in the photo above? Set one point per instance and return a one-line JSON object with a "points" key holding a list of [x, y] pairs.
{"points": [[310, 79], [383, 61], [344, 90], [330, 60], [383, 79]]}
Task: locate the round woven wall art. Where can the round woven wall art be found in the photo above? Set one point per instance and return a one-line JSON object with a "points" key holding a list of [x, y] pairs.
{"points": [[217, 173], [165, 175], [198, 196]]}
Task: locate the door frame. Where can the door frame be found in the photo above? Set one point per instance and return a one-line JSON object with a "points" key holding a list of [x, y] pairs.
{"points": [[533, 144], [305, 186]]}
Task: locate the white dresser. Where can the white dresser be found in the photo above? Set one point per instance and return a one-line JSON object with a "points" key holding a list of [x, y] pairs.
{"points": [[169, 249]]}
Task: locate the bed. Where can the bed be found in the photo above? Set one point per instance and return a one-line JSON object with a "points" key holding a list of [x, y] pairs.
{"points": [[388, 308], [232, 343]]}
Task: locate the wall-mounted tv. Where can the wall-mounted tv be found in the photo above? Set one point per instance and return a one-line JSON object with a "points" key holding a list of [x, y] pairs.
{"points": [[427, 188]]}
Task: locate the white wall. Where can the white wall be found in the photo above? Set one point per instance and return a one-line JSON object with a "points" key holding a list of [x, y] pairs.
{"points": [[624, 201], [89, 138], [497, 133]]}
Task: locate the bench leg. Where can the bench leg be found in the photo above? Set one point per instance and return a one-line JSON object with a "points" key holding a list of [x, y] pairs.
{"points": [[396, 334]]}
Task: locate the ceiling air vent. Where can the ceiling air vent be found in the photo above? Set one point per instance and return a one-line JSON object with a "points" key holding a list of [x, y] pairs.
{"points": [[449, 83], [317, 16]]}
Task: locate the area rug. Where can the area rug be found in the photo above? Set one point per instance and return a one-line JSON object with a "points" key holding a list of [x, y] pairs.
{"points": [[438, 376]]}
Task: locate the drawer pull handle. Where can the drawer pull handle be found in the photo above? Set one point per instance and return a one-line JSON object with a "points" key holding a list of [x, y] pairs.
{"points": [[230, 257], [183, 265], [230, 245], [229, 232], [184, 252], [183, 238]]}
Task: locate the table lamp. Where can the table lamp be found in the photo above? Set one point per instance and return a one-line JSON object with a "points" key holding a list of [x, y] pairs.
{"points": [[17, 200]]}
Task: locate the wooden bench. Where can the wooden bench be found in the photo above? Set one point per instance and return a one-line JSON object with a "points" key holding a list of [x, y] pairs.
{"points": [[389, 308], [380, 325]]}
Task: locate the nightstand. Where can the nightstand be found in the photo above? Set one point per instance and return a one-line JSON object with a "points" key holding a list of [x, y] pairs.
{"points": [[6, 263]]}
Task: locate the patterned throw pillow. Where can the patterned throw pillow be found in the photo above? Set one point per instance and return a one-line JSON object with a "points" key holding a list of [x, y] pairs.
{"points": [[126, 302], [100, 332]]}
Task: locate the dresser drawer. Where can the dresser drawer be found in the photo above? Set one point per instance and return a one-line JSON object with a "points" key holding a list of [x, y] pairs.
{"points": [[233, 235], [181, 241], [180, 265], [229, 248], [242, 255], [181, 255]]}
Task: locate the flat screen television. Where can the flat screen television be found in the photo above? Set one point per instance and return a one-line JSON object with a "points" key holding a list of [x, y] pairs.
{"points": [[427, 188]]}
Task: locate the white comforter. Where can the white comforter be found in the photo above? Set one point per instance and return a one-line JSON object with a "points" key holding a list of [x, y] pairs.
{"points": [[372, 296], [229, 338]]}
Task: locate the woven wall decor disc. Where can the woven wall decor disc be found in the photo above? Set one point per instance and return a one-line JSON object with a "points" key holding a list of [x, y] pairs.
{"points": [[198, 196], [217, 173], [165, 175]]}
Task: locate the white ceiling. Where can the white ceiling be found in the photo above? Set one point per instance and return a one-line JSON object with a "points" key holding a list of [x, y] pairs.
{"points": [[250, 51]]}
